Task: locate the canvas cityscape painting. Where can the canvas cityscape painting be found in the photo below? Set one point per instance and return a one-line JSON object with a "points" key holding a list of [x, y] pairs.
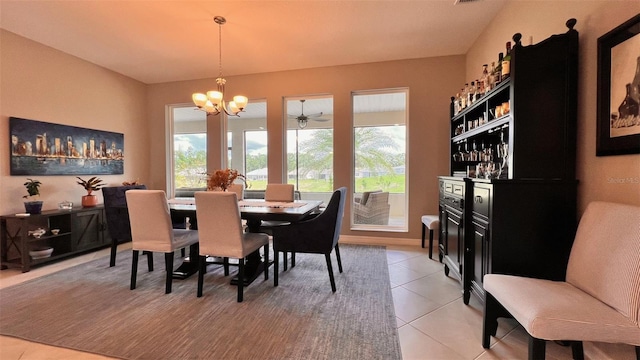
{"points": [[42, 148]]}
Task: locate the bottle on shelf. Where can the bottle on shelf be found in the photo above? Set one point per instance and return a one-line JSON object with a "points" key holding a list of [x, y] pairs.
{"points": [[498, 73], [470, 94], [484, 79], [463, 97], [491, 77], [506, 62]]}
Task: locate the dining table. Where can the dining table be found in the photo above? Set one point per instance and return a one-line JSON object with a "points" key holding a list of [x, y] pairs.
{"points": [[254, 211]]}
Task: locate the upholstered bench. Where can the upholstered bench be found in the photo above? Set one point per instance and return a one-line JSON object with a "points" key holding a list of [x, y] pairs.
{"points": [[600, 299], [431, 222]]}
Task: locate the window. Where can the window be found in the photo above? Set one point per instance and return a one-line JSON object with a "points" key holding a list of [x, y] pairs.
{"points": [[247, 143], [188, 145], [309, 124], [380, 172]]}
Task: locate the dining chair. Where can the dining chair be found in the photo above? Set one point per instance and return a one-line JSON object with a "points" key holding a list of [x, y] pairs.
{"points": [[151, 230], [281, 193], [238, 189], [117, 216], [318, 235], [218, 213]]}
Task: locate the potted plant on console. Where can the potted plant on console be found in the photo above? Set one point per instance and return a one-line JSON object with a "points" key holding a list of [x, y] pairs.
{"points": [[90, 185], [32, 205]]}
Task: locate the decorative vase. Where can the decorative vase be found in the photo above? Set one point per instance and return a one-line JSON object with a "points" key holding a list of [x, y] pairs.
{"points": [[33, 207], [89, 200]]}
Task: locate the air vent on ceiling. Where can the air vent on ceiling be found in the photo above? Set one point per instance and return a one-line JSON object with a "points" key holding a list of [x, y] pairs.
{"points": [[456, 2]]}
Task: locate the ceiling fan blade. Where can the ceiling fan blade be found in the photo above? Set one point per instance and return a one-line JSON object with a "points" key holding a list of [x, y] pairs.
{"points": [[315, 115], [319, 119]]}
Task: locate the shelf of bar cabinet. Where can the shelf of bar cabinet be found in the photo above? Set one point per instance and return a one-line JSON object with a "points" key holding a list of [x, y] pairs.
{"points": [[482, 101], [485, 128]]}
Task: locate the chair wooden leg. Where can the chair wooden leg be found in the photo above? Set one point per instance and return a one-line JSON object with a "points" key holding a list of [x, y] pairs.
{"points": [[266, 261], [114, 250], [424, 230], [333, 282], [168, 261], [225, 265], [430, 244], [339, 260], [577, 351], [149, 259], [275, 267], [134, 269], [637, 352], [202, 268], [490, 320], [284, 262], [240, 279], [293, 259], [536, 348]]}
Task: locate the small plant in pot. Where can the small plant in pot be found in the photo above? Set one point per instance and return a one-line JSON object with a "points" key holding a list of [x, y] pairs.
{"points": [[33, 205], [90, 185]]}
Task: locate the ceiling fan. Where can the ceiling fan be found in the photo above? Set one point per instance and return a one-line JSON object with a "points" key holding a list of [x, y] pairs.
{"points": [[303, 119]]}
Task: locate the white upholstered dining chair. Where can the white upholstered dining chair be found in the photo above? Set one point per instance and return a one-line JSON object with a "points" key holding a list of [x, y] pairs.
{"points": [[151, 230], [221, 234]]}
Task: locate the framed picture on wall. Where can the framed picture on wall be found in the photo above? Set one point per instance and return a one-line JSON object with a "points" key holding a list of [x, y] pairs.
{"points": [[42, 148], [618, 127]]}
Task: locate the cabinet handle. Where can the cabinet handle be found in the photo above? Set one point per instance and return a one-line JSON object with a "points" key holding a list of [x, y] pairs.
{"points": [[477, 199]]}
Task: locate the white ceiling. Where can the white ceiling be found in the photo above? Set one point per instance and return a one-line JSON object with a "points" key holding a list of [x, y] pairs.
{"points": [[161, 41]]}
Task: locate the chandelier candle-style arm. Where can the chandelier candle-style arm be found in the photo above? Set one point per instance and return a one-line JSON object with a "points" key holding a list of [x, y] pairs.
{"points": [[213, 101]]}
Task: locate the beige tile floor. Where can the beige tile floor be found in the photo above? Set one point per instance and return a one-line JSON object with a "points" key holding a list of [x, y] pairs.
{"points": [[433, 323]]}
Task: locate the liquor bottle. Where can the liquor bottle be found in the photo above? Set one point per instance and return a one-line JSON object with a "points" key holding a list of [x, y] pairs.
{"points": [[506, 62], [470, 97], [498, 75], [629, 107], [463, 96], [484, 79], [491, 77], [635, 84]]}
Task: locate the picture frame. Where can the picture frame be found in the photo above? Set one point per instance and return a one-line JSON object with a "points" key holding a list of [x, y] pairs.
{"points": [[618, 129], [42, 148]]}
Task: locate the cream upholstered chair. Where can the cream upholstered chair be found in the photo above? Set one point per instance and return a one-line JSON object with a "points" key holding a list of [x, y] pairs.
{"points": [[600, 299], [218, 214], [151, 230], [431, 222], [238, 189], [279, 192]]}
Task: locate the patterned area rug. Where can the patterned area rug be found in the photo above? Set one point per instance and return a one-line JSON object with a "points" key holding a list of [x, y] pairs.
{"points": [[90, 308]]}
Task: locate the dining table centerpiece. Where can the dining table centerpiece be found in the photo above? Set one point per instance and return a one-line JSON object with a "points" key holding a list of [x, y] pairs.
{"points": [[221, 179]]}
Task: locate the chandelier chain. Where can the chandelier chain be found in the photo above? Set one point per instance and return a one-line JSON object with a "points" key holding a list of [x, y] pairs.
{"points": [[220, 49]]}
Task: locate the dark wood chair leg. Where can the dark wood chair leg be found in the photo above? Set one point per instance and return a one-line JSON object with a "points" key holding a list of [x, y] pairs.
{"points": [[333, 282], [202, 269], [339, 260], [430, 244], [490, 320], [293, 259], [114, 250], [240, 279], [275, 267], [637, 352], [225, 265], [284, 262], [577, 352], [266, 261], [424, 230], [149, 259], [134, 269], [536, 348], [168, 261]]}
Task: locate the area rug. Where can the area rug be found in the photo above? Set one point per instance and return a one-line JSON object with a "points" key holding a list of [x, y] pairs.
{"points": [[90, 308]]}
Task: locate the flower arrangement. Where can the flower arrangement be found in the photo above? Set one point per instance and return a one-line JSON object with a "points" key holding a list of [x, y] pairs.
{"points": [[222, 179]]}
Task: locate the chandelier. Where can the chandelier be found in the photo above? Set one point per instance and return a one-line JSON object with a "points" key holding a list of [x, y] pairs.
{"points": [[213, 101]]}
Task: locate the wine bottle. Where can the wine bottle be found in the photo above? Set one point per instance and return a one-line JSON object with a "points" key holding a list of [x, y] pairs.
{"points": [[506, 62], [498, 77]]}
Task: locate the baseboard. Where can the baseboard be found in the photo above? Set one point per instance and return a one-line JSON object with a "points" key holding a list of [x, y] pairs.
{"points": [[370, 240]]}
